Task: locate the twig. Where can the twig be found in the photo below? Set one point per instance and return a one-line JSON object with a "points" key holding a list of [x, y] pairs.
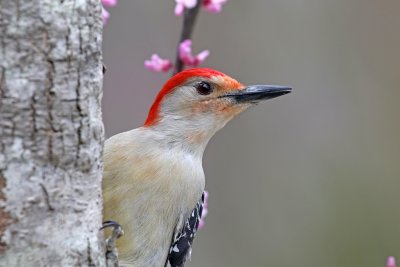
{"points": [[189, 21]]}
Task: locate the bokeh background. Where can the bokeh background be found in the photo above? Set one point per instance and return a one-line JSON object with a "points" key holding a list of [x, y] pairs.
{"points": [[308, 179]]}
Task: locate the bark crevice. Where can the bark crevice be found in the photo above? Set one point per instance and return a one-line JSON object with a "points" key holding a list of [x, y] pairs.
{"points": [[5, 217]]}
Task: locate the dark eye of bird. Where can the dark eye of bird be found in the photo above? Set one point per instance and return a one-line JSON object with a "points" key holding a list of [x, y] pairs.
{"points": [[204, 88]]}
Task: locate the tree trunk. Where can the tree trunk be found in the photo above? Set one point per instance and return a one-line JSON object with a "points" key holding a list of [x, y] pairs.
{"points": [[51, 133]]}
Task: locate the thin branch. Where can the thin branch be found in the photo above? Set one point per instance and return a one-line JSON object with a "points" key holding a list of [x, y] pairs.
{"points": [[189, 21]]}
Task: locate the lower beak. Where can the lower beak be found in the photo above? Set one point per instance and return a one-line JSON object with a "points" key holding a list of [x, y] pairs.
{"points": [[256, 93]]}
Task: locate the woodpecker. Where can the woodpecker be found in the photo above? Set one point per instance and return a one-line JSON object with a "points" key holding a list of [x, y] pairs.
{"points": [[153, 178]]}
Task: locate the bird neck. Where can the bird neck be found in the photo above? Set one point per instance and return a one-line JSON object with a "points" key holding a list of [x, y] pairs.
{"points": [[181, 135]]}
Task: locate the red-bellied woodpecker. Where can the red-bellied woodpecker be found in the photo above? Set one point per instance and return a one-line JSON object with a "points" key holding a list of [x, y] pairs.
{"points": [[153, 176]]}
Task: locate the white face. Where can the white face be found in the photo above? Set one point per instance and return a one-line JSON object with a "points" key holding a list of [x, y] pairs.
{"points": [[197, 111], [198, 101]]}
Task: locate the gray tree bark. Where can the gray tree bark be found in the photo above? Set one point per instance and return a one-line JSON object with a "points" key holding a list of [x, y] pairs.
{"points": [[51, 133]]}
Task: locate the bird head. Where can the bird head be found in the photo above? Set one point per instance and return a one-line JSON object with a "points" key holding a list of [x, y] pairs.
{"points": [[195, 103]]}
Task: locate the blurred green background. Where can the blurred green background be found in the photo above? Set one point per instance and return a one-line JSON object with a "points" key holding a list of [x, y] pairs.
{"points": [[308, 179]]}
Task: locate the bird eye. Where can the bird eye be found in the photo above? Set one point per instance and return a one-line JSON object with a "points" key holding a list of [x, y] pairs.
{"points": [[204, 88]]}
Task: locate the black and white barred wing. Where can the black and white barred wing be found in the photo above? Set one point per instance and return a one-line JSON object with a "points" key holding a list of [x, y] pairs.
{"points": [[181, 247]]}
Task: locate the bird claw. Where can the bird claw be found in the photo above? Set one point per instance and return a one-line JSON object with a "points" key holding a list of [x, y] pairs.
{"points": [[111, 249]]}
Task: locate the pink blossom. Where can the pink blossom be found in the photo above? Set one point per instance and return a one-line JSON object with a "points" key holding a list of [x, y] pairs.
{"points": [[158, 64], [185, 54], [182, 4], [391, 262], [109, 2], [202, 221], [214, 6], [105, 15]]}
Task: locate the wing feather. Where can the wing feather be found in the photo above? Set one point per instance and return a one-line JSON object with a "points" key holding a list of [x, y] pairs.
{"points": [[181, 245]]}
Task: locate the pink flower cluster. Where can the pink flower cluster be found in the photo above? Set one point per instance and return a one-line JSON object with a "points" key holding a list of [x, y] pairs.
{"points": [[185, 54], [391, 262], [156, 63], [214, 6], [107, 3]]}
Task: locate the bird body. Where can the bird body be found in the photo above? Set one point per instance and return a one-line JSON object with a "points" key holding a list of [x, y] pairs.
{"points": [[161, 186], [153, 177]]}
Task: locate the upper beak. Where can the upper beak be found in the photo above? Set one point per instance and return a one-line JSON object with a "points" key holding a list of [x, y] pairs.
{"points": [[256, 93]]}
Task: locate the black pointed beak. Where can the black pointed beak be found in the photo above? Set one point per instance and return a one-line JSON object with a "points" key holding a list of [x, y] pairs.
{"points": [[256, 93]]}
